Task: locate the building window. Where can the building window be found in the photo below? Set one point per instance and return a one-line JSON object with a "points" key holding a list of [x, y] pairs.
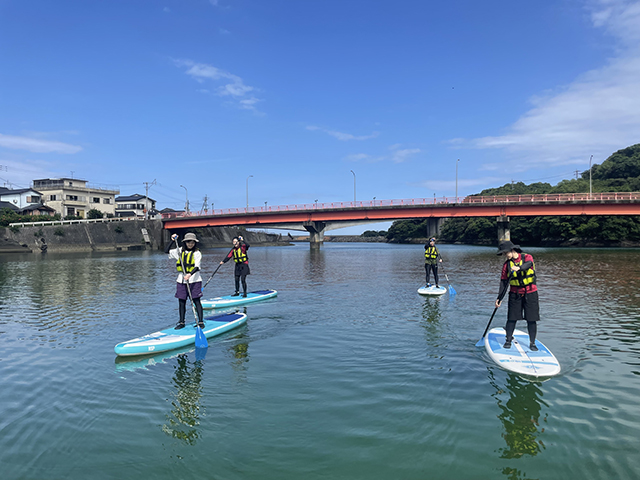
{"points": [[33, 199], [95, 199], [106, 201], [71, 212], [52, 198], [73, 198]]}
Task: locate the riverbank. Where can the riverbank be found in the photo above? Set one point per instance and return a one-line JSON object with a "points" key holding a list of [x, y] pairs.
{"points": [[114, 236]]}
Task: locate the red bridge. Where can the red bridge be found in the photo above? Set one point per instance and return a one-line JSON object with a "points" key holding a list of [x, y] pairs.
{"points": [[317, 218]]}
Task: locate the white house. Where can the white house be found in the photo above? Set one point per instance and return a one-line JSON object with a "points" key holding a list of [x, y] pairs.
{"points": [[74, 197]]}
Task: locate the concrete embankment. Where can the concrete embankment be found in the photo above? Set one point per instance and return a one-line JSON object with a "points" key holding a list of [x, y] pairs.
{"points": [[110, 236]]}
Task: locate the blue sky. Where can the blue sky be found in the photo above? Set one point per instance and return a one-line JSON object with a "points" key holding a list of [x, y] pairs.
{"points": [[204, 93]]}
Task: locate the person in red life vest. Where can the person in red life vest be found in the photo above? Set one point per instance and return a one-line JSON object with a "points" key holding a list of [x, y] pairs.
{"points": [[431, 257], [191, 257], [519, 273], [239, 255]]}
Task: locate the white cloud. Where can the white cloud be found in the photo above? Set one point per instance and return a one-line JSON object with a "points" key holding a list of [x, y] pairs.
{"points": [[224, 31], [37, 145], [233, 86], [399, 155], [166, 10], [344, 136], [595, 115]]}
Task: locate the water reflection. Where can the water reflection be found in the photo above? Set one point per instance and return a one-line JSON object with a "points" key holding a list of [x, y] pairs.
{"points": [[520, 417], [184, 418], [431, 310]]}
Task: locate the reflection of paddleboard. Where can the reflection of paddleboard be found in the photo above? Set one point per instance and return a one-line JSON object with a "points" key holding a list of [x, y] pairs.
{"points": [[170, 338], [431, 290], [231, 301], [520, 358]]}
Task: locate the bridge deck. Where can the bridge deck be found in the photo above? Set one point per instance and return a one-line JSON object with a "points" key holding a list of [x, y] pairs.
{"points": [[617, 203]]}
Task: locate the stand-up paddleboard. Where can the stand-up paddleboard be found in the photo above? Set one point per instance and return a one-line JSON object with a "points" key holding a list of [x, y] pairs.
{"points": [[431, 290], [231, 301], [520, 358], [170, 338]]}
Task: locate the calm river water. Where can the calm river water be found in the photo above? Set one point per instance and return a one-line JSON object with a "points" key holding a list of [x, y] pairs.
{"points": [[347, 374]]}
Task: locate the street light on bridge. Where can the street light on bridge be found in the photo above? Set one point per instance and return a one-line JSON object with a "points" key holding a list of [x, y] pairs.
{"points": [[248, 190], [354, 186], [186, 205], [590, 158]]}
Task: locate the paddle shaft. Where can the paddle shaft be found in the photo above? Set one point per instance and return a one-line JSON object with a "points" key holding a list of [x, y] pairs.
{"points": [[216, 270], [489, 324]]}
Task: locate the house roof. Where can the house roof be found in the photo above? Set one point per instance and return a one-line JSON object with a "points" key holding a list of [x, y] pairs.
{"points": [[38, 206], [134, 197], [7, 191], [8, 205]]}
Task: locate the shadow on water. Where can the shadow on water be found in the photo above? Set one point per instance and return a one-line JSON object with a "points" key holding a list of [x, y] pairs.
{"points": [[520, 416]]}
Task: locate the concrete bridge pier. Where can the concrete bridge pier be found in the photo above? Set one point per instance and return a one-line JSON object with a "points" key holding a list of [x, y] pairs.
{"points": [[504, 233], [316, 233], [433, 226]]}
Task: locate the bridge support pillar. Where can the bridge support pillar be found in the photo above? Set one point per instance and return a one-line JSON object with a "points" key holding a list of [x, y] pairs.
{"points": [[316, 233], [433, 226], [504, 233]]}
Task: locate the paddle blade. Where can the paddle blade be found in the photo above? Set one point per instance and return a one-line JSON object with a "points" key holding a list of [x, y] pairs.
{"points": [[480, 343], [201, 353], [452, 291], [201, 340]]}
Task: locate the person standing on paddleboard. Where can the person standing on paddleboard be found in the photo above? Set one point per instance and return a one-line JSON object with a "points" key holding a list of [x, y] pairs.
{"points": [[239, 255], [189, 256], [519, 273], [431, 257]]}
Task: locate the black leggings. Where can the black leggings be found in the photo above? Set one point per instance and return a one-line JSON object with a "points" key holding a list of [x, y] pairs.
{"points": [[428, 267], [244, 283], [532, 328], [182, 308]]}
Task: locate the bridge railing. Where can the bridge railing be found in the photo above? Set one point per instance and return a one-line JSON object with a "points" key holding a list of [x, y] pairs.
{"points": [[435, 201]]}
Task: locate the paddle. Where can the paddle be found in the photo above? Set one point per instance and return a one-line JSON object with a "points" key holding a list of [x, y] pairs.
{"points": [[201, 339], [481, 341], [452, 290], [216, 270]]}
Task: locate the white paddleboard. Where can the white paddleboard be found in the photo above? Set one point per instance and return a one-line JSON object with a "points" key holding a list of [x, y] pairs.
{"points": [[431, 290], [520, 358]]}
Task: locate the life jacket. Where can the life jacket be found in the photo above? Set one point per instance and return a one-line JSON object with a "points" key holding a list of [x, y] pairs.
{"points": [[239, 256], [430, 253], [188, 260], [522, 278]]}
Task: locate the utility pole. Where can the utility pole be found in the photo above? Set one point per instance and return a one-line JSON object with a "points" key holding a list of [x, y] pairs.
{"points": [[147, 186], [577, 172], [186, 204], [204, 205]]}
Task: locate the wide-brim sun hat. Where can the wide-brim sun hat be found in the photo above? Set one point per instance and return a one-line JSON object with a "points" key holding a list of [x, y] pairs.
{"points": [[507, 246], [190, 236]]}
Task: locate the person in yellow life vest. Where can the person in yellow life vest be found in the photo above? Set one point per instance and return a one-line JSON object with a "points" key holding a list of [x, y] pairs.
{"points": [[239, 255], [190, 256], [431, 258], [519, 275]]}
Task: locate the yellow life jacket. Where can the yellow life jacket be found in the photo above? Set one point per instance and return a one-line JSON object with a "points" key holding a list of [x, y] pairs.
{"points": [[188, 260], [239, 256], [430, 253], [522, 278]]}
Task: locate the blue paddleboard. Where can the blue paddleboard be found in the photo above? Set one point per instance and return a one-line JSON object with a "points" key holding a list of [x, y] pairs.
{"points": [[520, 358], [431, 290], [231, 301], [170, 338]]}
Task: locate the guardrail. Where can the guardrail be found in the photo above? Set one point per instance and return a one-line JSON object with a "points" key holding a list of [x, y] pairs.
{"points": [[70, 222], [436, 201]]}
